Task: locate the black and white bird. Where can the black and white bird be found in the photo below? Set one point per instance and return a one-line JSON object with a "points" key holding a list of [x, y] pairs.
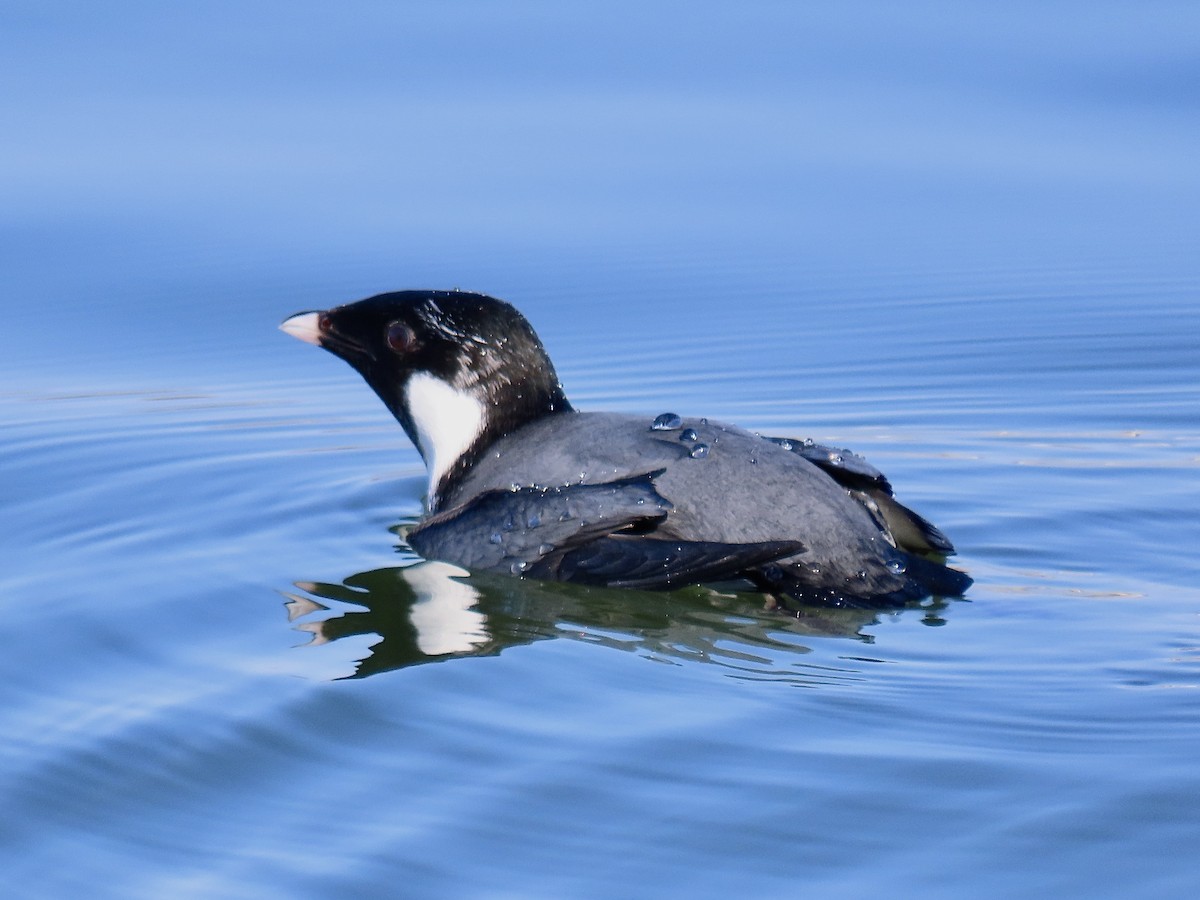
{"points": [[522, 483]]}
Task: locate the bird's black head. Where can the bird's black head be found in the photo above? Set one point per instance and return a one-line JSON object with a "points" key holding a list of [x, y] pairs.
{"points": [[458, 370]]}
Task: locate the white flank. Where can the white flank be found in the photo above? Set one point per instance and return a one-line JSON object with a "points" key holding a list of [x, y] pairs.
{"points": [[304, 327], [447, 421], [442, 614]]}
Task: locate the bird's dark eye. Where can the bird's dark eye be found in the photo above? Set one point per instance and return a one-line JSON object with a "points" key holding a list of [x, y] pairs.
{"points": [[325, 322], [401, 338]]}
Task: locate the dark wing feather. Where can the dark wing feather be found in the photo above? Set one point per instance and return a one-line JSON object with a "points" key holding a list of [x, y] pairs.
{"points": [[509, 531], [911, 531], [843, 466], [567, 534], [655, 564]]}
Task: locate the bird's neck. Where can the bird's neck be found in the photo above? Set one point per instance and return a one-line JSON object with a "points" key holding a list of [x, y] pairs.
{"points": [[453, 427]]}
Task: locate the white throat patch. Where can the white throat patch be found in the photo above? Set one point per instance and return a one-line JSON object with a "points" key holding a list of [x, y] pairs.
{"points": [[447, 421]]}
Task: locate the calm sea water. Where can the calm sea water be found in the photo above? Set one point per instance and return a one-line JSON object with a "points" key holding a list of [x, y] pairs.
{"points": [[961, 240]]}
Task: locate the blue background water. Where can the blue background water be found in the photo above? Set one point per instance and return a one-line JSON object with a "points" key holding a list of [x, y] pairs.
{"points": [[959, 238]]}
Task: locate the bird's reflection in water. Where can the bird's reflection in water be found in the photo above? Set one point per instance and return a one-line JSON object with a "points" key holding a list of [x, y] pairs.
{"points": [[433, 611]]}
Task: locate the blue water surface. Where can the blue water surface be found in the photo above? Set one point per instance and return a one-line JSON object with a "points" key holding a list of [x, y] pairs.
{"points": [[959, 238]]}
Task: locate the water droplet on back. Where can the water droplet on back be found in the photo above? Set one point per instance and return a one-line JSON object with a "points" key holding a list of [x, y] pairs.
{"points": [[688, 434], [699, 451], [666, 422]]}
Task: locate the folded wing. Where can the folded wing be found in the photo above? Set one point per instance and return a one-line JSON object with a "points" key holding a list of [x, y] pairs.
{"points": [[588, 533]]}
